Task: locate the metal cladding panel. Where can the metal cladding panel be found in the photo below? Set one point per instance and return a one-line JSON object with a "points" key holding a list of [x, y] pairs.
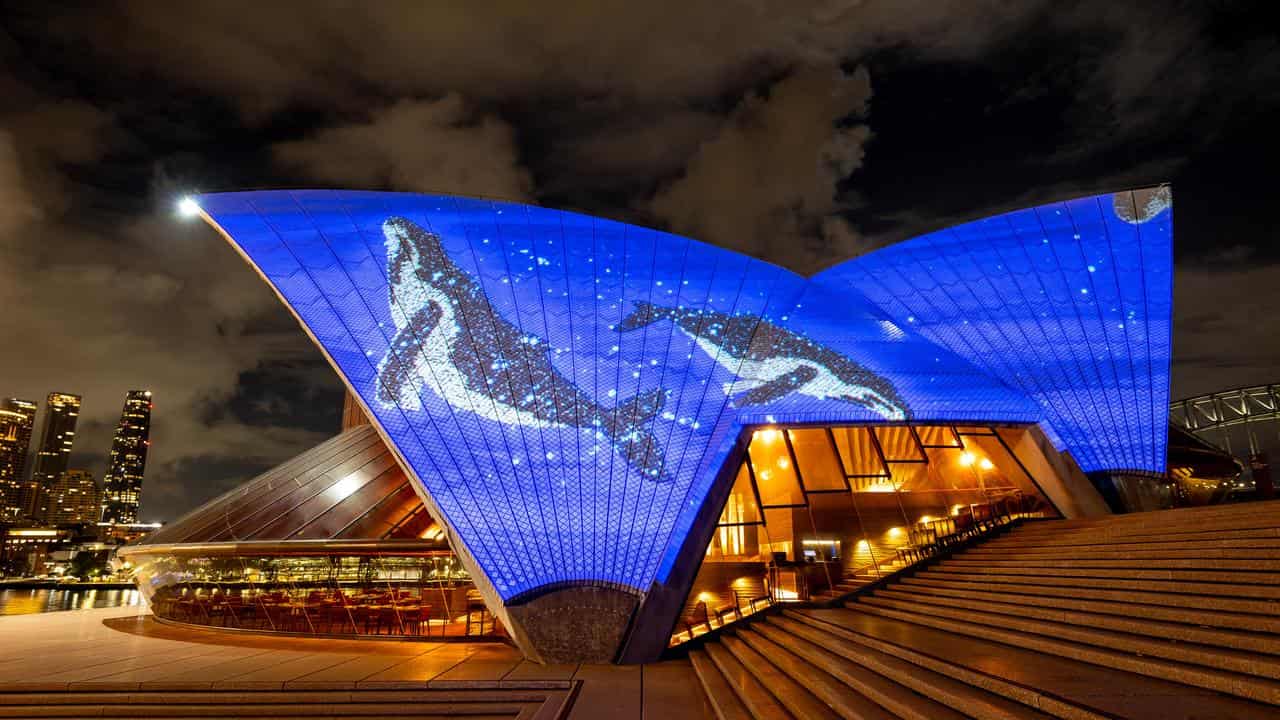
{"points": [[566, 388], [329, 492], [1069, 302]]}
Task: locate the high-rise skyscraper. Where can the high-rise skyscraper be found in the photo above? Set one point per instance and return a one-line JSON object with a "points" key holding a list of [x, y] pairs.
{"points": [[56, 437], [122, 485], [17, 419], [73, 499]]}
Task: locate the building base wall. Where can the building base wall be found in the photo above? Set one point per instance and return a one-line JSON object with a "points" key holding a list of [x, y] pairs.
{"points": [[579, 624]]}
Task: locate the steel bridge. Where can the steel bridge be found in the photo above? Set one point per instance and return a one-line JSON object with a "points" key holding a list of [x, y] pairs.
{"points": [[1220, 412]]}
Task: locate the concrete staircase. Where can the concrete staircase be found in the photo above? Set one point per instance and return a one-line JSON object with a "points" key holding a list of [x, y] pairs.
{"points": [[1173, 614], [852, 583]]}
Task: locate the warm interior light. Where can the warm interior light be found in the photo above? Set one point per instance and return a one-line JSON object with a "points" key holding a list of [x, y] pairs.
{"points": [[895, 531], [188, 207], [783, 463], [985, 464], [967, 458], [765, 475], [768, 436], [955, 509], [924, 519]]}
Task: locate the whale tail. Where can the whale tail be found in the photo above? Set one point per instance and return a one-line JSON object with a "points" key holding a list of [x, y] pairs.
{"points": [[628, 430], [644, 314]]}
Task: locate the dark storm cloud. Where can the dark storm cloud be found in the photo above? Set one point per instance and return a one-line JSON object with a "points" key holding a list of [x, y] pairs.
{"points": [[1224, 324], [271, 55], [423, 146], [750, 124], [766, 183]]}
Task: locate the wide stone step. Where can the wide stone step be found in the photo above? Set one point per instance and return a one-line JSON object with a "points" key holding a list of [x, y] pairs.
{"points": [[1245, 686], [380, 703], [1134, 621], [944, 692], [1179, 551], [296, 704], [248, 710], [1005, 545], [791, 695], [934, 659], [1116, 603], [755, 697], [1123, 573], [839, 698], [901, 701], [1243, 663], [1215, 591], [1267, 534], [1061, 686], [1088, 561], [724, 701], [1177, 516], [1114, 530]]}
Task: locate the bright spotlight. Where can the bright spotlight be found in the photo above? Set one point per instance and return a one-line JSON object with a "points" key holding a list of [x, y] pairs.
{"points": [[188, 207], [985, 464], [967, 459]]}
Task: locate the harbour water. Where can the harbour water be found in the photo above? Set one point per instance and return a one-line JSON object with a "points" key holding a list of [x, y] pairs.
{"points": [[52, 599]]}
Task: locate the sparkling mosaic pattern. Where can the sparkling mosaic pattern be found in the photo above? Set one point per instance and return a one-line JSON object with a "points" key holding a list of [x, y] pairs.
{"points": [[566, 388], [1069, 302]]}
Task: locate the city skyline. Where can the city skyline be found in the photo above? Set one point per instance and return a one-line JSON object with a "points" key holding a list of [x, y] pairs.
{"points": [[40, 484]]}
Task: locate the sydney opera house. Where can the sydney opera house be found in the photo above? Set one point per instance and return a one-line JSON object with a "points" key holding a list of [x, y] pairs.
{"points": [[599, 440]]}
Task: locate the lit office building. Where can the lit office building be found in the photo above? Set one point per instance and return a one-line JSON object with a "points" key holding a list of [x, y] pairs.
{"points": [[619, 437], [17, 419], [73, 499], [122, 485], [58, 433]]}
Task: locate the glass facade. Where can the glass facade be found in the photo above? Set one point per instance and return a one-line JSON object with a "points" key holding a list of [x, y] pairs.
{"points": [[817, 511], [422, 594]]}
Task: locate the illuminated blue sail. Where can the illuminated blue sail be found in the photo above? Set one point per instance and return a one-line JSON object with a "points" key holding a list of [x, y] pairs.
{"points": [[565, 388], [1069, 302]]}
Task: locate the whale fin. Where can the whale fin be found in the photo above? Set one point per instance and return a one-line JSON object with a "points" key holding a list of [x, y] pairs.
{"points": [[778, 387], [628, 430], [644, 314], [398, 379]]}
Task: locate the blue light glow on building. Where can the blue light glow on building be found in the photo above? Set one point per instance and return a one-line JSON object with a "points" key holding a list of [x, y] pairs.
{"points": [[566, 388], [1068, 302]]}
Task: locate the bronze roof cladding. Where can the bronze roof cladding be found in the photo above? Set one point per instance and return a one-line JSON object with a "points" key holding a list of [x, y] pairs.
{"points": [[349, 487]]}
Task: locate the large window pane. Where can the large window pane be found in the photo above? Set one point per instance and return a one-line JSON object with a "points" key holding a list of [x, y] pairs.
{"points": [[820, 469], [858, 452], [898, 443], [775, 474]]}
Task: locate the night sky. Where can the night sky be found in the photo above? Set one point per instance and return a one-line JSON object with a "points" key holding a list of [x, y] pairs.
{"points": [[805, 133]]}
